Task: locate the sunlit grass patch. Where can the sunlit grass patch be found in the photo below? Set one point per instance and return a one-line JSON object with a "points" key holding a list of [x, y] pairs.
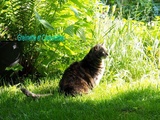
{"points": [[109, 100]]}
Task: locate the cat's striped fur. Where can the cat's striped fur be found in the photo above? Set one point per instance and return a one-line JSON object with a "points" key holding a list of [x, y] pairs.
{"points": [[81, 77]]}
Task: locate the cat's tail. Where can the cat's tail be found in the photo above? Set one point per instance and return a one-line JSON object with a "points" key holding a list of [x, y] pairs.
{"points": [[33, 95]]}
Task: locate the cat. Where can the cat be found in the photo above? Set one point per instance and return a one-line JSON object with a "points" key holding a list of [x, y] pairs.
{"points": [[81, 77]]}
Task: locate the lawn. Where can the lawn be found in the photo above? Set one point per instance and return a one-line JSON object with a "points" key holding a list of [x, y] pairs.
{"points": [[118, 100]]}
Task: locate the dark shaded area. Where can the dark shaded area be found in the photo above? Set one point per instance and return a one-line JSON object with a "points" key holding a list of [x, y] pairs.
{"points": [[134, 105], [10, 53], [18, 18], [13, 53]]}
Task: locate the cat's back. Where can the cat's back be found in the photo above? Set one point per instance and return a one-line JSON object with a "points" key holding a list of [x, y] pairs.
{"points": [[75, 80], [81, 77]]}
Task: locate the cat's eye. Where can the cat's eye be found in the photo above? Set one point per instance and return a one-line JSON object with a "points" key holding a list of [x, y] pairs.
{"points": [[103, 52]]}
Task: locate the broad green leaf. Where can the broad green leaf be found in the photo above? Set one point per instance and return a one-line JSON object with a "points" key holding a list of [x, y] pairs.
{"points": [[43, 22], [78, 3], [46, 24], [69, 30], [37, 15], [76, 12], [80, 32]]}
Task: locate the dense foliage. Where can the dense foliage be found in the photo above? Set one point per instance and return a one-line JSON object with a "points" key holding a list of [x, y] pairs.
{"points": [[133, 46], [137, 10]]}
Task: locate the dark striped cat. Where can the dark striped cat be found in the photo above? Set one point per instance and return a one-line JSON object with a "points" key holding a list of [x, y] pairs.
{"points": [[81, 77]]}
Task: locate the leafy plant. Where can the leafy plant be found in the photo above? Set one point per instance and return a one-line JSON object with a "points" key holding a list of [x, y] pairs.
{"points": [[137, 10], [76, 28], [132, 45], [17, 17]]}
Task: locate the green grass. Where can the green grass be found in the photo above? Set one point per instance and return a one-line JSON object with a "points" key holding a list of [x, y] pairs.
{"points": [[118, 100]]}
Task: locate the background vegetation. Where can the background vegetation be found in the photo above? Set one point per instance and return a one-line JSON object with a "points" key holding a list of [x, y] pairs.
{"points": [[130, 85]]}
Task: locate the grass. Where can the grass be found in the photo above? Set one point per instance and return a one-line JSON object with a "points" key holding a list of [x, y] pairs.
{"points": [[118, 100], [134, 47]]}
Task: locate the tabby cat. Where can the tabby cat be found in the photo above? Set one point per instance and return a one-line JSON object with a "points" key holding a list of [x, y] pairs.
{"points": [[81, 77]]}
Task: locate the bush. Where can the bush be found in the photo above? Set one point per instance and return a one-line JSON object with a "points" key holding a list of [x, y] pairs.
{"points": [[141, 10]]}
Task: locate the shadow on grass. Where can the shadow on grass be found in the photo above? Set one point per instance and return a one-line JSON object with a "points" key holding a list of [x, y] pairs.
{"points": [[134, 105]]}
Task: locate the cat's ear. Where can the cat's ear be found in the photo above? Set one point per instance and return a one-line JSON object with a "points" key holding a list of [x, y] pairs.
{"points": [[96, 48], [103, 44]]}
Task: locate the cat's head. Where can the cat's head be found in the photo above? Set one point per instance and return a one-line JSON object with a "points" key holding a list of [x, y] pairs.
{"points": [[100, 51]]}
